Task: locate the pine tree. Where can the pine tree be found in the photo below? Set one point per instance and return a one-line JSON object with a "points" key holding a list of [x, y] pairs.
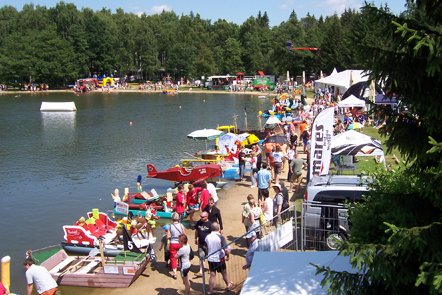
{"points": [[397, 231]]}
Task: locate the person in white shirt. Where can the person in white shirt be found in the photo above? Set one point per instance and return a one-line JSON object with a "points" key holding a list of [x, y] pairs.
{"points": [[40, 277], [267, 209], [212, 191], [278, 156], [184, 255], [253, 245], [218, 255]]}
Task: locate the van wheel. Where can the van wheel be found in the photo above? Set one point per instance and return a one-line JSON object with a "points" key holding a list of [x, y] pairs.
{"points": [[334, 240]]}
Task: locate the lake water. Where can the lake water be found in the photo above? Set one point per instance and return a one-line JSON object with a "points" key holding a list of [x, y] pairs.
{"points": [[55, 167]]}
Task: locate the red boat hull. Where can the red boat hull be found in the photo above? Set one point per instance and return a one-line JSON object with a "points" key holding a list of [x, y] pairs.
{"points": [[180, 174]]}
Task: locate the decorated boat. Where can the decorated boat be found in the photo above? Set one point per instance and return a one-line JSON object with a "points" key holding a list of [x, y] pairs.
{"points": [[142, 198], [141, 210], [160, 214], [186, 174], [87, 234], [277, 115], [91, 271]]}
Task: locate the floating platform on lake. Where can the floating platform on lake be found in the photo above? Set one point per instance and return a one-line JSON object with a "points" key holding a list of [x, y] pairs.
{"points": [[58, 106]]}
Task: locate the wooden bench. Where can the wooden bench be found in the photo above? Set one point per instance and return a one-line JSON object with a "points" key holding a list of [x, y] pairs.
{"points": [[88, 267], [62, 265]]}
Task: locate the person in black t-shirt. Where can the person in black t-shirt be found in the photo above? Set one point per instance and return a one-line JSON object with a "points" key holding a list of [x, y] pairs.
{"points": [[214, 214], [202, 229], [242, 163]]}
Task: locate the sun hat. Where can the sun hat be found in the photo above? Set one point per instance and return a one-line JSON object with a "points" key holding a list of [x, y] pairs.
{"points": [[251, 234], [277, 185]]}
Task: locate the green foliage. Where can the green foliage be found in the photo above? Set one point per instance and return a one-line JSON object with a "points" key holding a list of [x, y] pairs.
{"points": [[102, 42], [397, 231]]}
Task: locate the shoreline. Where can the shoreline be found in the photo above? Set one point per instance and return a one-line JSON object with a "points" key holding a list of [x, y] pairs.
{"points": [[184, 91]]}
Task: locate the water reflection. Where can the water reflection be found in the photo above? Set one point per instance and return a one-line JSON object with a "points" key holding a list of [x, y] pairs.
{"points": [[58, 127]]}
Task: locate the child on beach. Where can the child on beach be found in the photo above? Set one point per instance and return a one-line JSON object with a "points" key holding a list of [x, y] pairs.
{"points": [[165, 245]]}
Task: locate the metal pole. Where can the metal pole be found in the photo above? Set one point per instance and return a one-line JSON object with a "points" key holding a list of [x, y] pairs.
{"points": [[245, 118]]}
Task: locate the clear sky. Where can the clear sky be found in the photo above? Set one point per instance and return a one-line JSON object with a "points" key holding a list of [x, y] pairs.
{"points": [[233, 11]]}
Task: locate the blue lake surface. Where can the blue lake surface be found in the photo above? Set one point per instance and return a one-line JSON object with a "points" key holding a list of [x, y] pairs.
{"points": [[55, 167]]}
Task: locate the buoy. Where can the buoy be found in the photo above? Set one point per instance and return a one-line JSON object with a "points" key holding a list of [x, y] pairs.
{"points": [[130, 123], [6, 269], [180, 107]]}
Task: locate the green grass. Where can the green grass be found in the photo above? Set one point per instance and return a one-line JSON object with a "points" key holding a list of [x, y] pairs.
{"points": [[367, 164]]}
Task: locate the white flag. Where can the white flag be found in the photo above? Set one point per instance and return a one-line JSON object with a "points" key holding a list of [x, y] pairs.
{"points": [[320, 148]]}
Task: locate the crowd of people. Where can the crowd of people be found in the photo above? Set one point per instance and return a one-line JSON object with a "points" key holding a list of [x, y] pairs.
{"points": [[264, 207], [211, 244]]}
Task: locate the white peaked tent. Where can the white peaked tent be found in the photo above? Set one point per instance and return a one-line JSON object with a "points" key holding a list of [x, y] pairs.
{"points": [[342, 79], [352, 102], [273, 120], [290, 273]]}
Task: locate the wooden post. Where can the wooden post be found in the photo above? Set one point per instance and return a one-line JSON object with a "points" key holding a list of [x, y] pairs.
{"points": [[103, 260]]}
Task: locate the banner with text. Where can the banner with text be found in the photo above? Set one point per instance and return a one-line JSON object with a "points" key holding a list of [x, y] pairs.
{"points": [[320, 143]]}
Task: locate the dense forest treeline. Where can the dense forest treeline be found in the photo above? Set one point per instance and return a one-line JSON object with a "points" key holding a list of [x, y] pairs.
{"points": [[60, 44]]}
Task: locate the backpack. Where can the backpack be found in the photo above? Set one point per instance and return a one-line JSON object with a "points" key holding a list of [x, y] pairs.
{"points": [[285, 202], [191, 254]]}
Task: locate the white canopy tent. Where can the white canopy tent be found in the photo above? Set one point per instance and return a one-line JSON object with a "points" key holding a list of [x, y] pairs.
{"points": [[341, 80], [290, 273], [352, 102]]}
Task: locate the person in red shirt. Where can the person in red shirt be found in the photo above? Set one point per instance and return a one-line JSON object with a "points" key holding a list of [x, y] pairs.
{"points": [[192, 201], [204, 196], [180, 201]]}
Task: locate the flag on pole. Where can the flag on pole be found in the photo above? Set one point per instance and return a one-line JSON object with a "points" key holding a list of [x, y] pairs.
{"points": [[129, 245], [320, 143]]}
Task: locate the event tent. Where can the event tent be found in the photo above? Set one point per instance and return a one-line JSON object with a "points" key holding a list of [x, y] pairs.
{"points": [[362, 91], [289, 273], [273, 120], [354, 143], [351, 102], [342, 79]]}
